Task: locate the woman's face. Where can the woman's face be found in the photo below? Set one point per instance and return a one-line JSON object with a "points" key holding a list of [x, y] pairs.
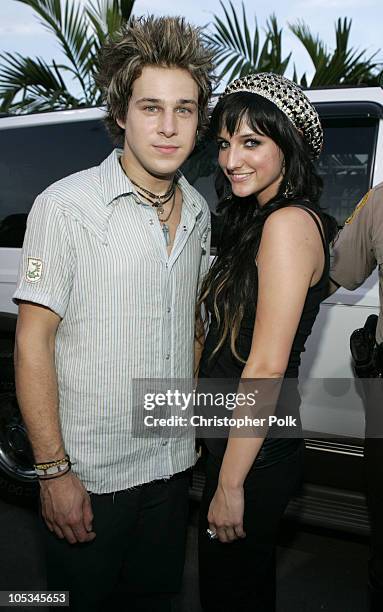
{"points": [[253, 163]]}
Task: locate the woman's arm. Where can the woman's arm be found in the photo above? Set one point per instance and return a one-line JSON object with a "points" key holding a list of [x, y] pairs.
{"points": [[290, 260]]}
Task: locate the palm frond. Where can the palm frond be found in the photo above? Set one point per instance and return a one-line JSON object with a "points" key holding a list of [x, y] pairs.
{"points": [[24, 81], [29, 84], [255, 39], [344, 65], [108, 16], [314, 46], [237, 51], [249, 46], [235, 30], [70, 28], [274, 38], [21, 72]]}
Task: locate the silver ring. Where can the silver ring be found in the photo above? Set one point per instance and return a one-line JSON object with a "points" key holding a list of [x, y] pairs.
{"points": [[212, 535]]}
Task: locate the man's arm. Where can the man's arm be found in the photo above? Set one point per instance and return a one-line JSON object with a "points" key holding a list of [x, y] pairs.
{"points": [[353, 251], [36, 381], [65, 503]]}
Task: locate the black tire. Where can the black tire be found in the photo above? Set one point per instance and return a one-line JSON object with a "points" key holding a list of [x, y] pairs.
{"points": [[17, 493], [18, 482], [7, 342]]}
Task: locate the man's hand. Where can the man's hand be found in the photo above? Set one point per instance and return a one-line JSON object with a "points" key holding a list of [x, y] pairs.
{"points": [[226, 514], [66, 508]]}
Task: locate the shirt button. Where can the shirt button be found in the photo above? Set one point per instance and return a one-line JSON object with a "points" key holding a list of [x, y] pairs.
{"points": [[166, 266], [151, 222], [167, 356], [169, 309], [165, 443]]}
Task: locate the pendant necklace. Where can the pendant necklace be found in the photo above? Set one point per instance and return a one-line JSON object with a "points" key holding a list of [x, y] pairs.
{"points": [[160, 208], [157, 201], [164, 225]]}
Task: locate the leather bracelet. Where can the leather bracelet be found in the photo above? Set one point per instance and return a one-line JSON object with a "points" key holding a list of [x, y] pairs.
{"points": [[48, 464], [53, 469], [58, 474]]}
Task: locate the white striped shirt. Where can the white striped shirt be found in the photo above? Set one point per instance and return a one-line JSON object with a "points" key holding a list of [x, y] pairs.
{"points": [[96, 255]]}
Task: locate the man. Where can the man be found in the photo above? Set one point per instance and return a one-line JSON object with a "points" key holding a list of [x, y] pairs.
{"points": [[356, 253], [112, 259]]}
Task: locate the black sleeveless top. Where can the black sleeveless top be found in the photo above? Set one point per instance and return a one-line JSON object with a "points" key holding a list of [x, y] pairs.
{"points": [[225, 365]]}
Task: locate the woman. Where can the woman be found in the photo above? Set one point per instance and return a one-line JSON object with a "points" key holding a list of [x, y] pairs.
{"points": [[262, 294]]}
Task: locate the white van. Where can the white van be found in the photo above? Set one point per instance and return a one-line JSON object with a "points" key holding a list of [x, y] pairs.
{"points": [[39, 149]]}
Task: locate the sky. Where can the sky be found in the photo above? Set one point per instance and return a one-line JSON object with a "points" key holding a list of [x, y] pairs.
{"points": [[21, 31]]}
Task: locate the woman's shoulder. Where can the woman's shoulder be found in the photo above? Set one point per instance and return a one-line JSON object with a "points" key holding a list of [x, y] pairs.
{"points": [[292, 219]]}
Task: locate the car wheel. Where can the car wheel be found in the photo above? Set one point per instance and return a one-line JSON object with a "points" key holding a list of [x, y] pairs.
{"points": [[18, 482]]}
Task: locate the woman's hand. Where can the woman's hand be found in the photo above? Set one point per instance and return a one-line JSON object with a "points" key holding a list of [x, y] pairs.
{"points": [[226, 513]]}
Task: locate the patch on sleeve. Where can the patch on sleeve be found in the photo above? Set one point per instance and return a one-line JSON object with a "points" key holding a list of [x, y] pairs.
{"points": [[34, 270], [358, 208]]}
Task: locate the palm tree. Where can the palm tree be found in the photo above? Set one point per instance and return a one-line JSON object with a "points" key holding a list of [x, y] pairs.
{"points": [[238, 52], [342, 66], [32, 84]]}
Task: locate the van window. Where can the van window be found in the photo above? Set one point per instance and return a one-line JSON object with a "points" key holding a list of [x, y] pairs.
{"points": [[34, 157], [37, 156], [200, 170], [345, 166]]}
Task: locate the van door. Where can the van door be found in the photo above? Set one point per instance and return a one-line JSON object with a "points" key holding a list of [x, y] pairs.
{"points": [[330, 403]]}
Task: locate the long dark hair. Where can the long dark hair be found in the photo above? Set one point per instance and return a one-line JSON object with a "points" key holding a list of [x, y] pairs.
{"points": [[229, 283]]}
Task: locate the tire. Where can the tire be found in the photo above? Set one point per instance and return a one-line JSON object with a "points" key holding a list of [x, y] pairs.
{"points": [[18, 482], [7, 342]]}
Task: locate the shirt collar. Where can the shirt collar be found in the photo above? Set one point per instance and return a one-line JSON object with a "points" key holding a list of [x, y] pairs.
{"points": [[115, 183]]}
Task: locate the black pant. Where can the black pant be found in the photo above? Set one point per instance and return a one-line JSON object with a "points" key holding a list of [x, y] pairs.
{"points": [[241, 575], [136, 560]]}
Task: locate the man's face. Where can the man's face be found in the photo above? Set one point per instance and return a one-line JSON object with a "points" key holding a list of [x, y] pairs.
{"points": [[161, 122]]}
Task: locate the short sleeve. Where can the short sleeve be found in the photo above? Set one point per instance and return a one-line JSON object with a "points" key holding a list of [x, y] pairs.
{"points": [[47, 261], [353, 258]]}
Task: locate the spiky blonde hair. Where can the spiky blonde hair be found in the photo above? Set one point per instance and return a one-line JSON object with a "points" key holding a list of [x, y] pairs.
{"points": [[152, 41]]}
